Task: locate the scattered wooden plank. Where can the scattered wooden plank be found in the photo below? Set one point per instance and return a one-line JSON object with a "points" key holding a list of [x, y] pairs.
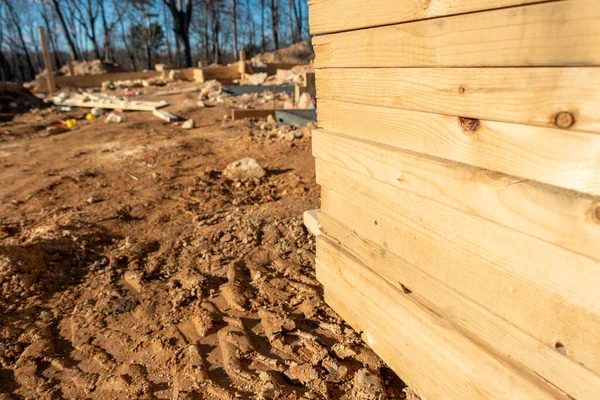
{"points": [[165, 116], [547, 34], [86, 81], [554, 215], [353, 14], [310, 222], [511, 274], [489, 331], [420, 345], [242, 114], [553, 156], [169, 92], [124, 105], [224, 74], [495, 94], [287, 117], [271, 68]]}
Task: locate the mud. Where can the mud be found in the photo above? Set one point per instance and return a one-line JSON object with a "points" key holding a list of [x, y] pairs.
{"points": [[130, 267]]}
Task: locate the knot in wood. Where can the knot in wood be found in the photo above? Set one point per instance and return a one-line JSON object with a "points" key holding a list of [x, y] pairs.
{"points": [[469, 125], [564, 120]]}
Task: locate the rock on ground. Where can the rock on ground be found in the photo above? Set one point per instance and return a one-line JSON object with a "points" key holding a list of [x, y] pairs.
{"points": [[243, 170]]}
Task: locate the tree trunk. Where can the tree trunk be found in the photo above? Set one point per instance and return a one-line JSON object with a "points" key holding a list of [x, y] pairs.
{"points": [[262, 26], [298, 14], [275, 23], [234, 25], [292, 26], [72, 51], [107, 50], [216, 28], [7, 74], [182, 16], [167, 36], [205, 33]]}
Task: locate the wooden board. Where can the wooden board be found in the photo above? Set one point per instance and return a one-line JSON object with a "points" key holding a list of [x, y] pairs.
{"points": [[355, 14], [241, 114], [224, 74], [492, 333], [553, 156], [546, 291], [532, 96], [547, 34], [111, 105], [421, 347], [554, 215], [85, 81], [271, 68]]}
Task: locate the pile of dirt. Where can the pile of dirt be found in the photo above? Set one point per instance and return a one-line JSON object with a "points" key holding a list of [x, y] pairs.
{"points": [[15, 99], [299, 53]]}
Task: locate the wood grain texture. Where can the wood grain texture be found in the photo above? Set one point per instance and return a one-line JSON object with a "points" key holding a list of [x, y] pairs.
{"points": [[473, 321], [561, 158], [355, 14], [421, 347], [530, 96], [547, 34], [546, 291], [556, 216]]}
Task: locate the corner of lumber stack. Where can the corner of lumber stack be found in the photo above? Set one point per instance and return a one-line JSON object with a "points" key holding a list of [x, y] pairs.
{"points": [[458, 152]]}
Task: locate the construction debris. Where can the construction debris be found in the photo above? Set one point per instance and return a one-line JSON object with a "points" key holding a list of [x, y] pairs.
{"points": [[113, 118], [165, 116], [189, 124], [96, 100]]}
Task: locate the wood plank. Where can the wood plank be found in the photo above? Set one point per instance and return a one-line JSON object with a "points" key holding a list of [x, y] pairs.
{"points": [[356, 14], [546, 291], [272, 68], [531, 96], [553, 156], [421, 347], [224, 74], [85, 81], [111, 105], [547, 34], [489, 331], [165, 116], [311, 224], [241, 114], [47, 60], [556, 216]]}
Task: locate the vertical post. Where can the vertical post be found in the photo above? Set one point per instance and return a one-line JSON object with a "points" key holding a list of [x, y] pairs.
{"points": [[47, 61], [70, 67], [242, 65]]}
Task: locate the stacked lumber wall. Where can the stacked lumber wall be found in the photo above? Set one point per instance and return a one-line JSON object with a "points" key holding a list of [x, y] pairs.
{"points": [[458, 152]]}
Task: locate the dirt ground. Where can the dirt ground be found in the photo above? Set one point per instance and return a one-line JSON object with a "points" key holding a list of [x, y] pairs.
{"points": [[131, 268]]}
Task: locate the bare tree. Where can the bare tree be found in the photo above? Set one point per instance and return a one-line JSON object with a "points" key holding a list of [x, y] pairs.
{"points": [[234, 28], [6, 73], [63, 26], [275, 22], [216, 29], [181, 10], [51, 38], [86, 14], [263, 46], [23, 45]]}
